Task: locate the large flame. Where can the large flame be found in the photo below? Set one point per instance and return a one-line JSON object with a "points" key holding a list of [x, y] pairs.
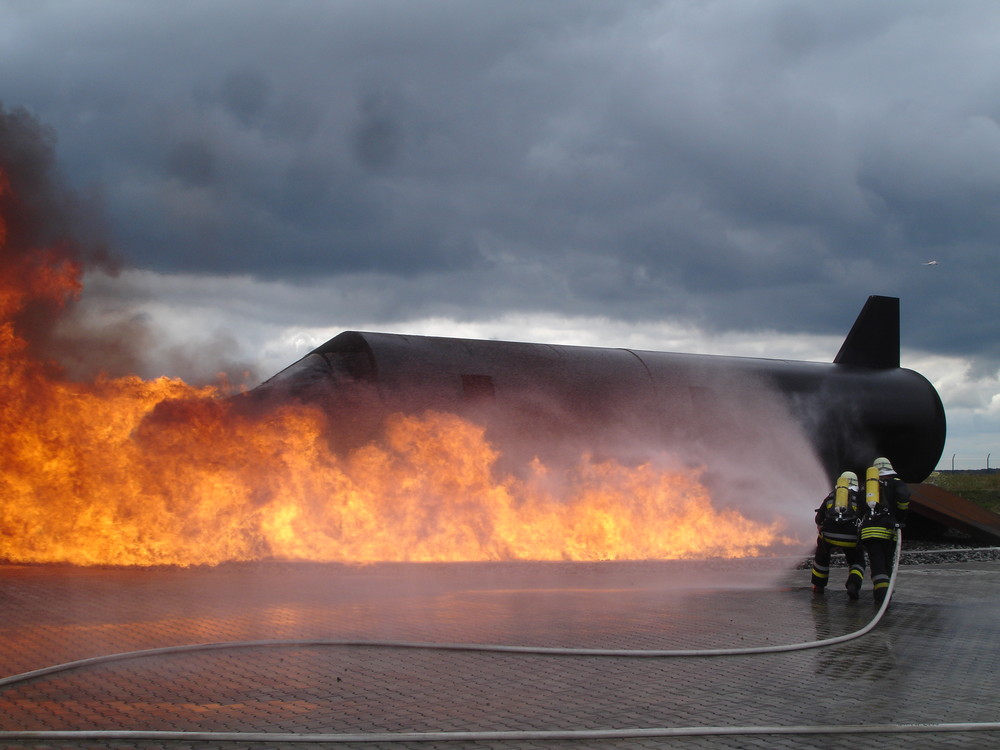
{"points": [[88, 477]]}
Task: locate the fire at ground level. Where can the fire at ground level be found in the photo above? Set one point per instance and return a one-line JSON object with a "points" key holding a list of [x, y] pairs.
{"points": [[930, 660], [685, 527]]}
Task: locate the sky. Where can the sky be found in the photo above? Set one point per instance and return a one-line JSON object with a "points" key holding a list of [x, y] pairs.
{"points": [[723, 176]]}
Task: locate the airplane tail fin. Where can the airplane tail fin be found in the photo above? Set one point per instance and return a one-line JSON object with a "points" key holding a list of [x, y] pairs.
{"points": [[873, 340]]}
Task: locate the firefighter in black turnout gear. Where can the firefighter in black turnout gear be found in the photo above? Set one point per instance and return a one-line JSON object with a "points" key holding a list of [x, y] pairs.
{"points": [[837, 525], [887, 501]]}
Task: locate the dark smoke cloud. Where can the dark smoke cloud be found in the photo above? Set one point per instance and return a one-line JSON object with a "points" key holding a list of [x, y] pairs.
{"points": [[49, 228], [46, 223]]}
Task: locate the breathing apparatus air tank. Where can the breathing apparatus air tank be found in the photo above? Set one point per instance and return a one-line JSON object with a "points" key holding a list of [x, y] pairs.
{"points": [[841, 503], [871, 488]]}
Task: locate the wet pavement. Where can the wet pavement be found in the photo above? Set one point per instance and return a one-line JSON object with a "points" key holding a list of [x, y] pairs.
{"points": [[933, 659]]}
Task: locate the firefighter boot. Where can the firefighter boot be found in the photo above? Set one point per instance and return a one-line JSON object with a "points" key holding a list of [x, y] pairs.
{"points": [[853, 589]]}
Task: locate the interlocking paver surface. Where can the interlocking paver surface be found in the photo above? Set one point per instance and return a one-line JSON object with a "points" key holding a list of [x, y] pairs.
{"points": [[932, 659]]}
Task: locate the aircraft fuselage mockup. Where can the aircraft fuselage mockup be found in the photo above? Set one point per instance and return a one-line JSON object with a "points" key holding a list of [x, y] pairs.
{"points": [[860, 406]]}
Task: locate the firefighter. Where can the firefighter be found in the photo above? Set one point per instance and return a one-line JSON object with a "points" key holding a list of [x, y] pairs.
{"points": [[887, 502], [837, 529]]}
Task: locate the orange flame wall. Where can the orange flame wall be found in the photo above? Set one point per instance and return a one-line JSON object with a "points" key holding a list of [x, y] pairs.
{"points": [[87, 482]]}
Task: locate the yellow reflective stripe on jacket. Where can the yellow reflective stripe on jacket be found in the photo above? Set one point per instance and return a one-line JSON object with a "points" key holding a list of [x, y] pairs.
{"points": [[878, 532], [837, 543], [841, 540]]}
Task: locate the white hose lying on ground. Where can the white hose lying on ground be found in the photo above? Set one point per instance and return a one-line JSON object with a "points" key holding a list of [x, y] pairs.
{"points": [[527, 735]]}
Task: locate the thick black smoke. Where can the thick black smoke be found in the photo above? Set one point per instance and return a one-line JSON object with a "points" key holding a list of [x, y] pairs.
{"points": [[51, 231], [48, 229]]}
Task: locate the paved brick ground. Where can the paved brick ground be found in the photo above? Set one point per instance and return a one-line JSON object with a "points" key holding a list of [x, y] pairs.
{"points": [[933, 659]]}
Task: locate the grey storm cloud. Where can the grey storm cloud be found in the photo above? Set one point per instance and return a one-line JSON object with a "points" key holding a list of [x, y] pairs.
{"points": [[755, 164]]}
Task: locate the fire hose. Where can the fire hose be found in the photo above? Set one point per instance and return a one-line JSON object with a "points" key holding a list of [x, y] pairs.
{"points": [[528, 735]]}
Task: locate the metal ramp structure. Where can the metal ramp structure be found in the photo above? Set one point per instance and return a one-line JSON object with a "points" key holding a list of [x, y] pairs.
{"points": [[948, 510]]}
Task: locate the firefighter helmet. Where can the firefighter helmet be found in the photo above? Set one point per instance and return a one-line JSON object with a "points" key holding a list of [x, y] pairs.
{"points": [[882, 464], [852, 479]]}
